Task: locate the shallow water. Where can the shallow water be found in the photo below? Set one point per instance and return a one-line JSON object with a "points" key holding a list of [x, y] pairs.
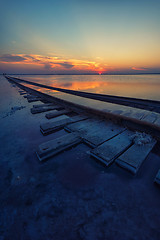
{"points": [[138, 86], [70, 196]]}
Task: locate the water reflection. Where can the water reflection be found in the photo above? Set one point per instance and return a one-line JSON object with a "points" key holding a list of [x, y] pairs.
{"points": [[140, 86], [99, 105]]}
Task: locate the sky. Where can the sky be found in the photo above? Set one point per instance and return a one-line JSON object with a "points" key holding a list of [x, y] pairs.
{"points": [[80, 36]]}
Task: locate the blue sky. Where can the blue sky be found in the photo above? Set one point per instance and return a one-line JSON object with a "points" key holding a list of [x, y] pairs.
{"points": [[105, 36]]}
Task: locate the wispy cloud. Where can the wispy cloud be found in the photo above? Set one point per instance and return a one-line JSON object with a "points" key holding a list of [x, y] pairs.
{"points": [[11, 58], [50, 63], [139, 69], [66, 65]]}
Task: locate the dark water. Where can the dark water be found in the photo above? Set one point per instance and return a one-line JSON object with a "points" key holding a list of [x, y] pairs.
{"points": [[70, 196], [139, 86]]}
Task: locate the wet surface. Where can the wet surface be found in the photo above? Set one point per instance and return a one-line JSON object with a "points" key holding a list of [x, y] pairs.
{"points": [[137, 86], [70, 196]]}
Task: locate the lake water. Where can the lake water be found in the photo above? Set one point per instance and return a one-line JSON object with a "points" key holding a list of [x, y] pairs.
{"points": [[138, 86], [70, 194]]}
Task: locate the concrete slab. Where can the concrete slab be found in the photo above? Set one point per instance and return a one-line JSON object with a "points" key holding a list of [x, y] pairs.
{"points": [[23, 93], [157, 178], [157, 122], [42, 105], [110, 150], [100, 134], [138, 114], [133, 158], [58, 123], [33, 99], [28, 95], [126, 113], [151, 117], [53, 147], [36, 110], [54, 114], [82, 126], [20, 90], [95, 132]]}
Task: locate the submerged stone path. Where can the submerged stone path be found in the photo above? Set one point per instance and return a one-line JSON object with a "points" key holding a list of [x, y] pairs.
{"points": [[125, 137]]}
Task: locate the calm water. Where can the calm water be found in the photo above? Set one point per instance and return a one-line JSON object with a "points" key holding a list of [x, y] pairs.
{"points": [[139, 86], [70, 194]]}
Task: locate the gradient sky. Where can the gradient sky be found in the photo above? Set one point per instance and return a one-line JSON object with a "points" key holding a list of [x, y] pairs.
{"points": [[80, 36]]}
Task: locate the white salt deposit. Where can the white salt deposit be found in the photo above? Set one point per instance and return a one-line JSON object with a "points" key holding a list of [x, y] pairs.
{"points": [[141, 138]]}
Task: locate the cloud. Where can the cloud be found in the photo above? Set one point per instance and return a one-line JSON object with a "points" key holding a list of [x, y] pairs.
{"points": [[52, 63], [47, 66], [139, 69], [66, 65], [11, 58], [30, 57]]}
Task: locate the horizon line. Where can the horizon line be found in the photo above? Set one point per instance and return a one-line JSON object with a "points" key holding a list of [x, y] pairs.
{"points": [[78, 73]]}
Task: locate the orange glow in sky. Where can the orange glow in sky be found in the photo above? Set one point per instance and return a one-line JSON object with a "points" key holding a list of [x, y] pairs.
{"points": [[51, 64], [80, 37]]}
